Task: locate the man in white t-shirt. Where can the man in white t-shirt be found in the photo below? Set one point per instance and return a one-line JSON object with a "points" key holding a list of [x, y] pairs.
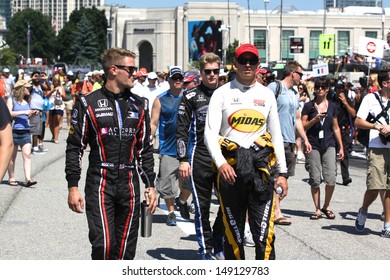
{"points": [[378, 151]]}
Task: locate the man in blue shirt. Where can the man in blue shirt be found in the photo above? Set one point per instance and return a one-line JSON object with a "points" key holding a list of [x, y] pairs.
{"points": [[164, 116]]}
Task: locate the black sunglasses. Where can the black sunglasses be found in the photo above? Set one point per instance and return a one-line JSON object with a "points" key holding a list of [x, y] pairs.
{"points": [[323, 86], [128, 69], [208, 71], [245, 60], [299, 73]]}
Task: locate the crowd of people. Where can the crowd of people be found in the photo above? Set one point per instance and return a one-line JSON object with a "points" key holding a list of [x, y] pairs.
{"points": [[218, 130]]}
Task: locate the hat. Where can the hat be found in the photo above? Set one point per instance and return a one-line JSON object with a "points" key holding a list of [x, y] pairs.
{"points": [[143, 71], [152, 76], [261, 71], [222, 73], [349, 84], [20, 71], [6, 70], [96, 72], [101, 72], [209, 31], [22, 83], [330, 77], [70, 73], [189, 76], [89, 74], [175, 70], [246, 48]]}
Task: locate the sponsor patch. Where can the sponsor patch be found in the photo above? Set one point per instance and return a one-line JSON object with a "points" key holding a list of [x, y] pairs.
{"points": [[105, 114], [190, 95], [104, 131], [246, 120], [259, 102], [102, 103], [71, 129], [75, 113], [132, 115]]}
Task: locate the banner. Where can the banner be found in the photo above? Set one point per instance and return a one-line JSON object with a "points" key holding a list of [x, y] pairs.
{"points": [[327, 45], [320, 70], [371, 47]]}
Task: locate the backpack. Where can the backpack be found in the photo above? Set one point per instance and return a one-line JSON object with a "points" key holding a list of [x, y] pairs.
{"points": [[363, 135]]}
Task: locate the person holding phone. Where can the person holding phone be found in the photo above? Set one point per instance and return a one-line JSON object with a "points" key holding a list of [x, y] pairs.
{"points": [[319, 119]]}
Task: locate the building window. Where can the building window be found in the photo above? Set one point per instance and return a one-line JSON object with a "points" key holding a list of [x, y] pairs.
{"points": [[286, 34], [343, 42], [314, 44], [372, 34], [260, 41]]}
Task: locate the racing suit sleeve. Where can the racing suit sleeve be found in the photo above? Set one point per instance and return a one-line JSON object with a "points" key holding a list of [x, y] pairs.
{"points": [[213, 127], [76, 143], [273, 125], [182, 129], [144, 154]]}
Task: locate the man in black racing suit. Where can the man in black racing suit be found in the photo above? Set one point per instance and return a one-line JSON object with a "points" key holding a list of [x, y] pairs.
{"points": [[195, 159], [115, 123]]}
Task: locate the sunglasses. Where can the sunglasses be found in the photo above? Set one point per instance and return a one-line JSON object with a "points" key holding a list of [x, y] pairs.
{"points": [[317, 87], [299, 73], [300, 88], [245, 60], [208, 71], [177, 78], [128, 69]]}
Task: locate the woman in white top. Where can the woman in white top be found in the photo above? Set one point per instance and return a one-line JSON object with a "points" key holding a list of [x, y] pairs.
{"points": [[57, 94]]}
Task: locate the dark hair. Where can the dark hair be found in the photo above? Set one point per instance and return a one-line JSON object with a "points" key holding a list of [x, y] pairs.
{"points": [[321, 82], [35, 72], [383, 76], [290, 67]]}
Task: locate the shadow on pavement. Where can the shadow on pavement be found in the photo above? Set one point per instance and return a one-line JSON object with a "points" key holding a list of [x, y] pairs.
{"points": [[173, 254]]}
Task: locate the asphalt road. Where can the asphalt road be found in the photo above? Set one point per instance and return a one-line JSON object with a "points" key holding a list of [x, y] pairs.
{"points": [[36, 224]]}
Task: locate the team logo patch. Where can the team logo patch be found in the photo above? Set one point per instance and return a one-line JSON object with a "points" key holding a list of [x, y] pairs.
{"points": [[104, 131], [246, 120], [71, 129], [102, 103], [133, 115], [75, 113]]}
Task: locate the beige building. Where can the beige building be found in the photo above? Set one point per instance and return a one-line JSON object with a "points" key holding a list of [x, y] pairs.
{"points": [[160, 37]]}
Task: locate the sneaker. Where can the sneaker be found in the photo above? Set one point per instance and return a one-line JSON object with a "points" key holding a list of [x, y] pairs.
{"points": [[386, 232], [383, 216], [360, 220], [183, 208], [248, 239], [171, 219], [37, 152], [42, 149]]}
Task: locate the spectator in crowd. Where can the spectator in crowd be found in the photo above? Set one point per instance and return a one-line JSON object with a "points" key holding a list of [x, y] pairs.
{"points": [[9, 82], [19, 107], [56, 97], [190, 80], [299, 145], [151, 91], [88, 82], [139, 86], [6, 140], [69, 97], [164, 117], [36, 103], [319, 118], [378, 168]]}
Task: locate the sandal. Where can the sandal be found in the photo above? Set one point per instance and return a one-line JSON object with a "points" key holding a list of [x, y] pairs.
{"points": [[13, 183], [316, 216], [328, 213], [29, 183], [282, 221]]}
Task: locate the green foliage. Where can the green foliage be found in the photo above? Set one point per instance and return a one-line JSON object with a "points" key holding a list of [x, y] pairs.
{"points": [[7, 57], [230, 52], [84, 37], [43, 38]]}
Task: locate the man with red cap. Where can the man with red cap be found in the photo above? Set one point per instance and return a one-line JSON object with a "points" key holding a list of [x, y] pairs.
{"points": [[260, 72], [241, 119]]}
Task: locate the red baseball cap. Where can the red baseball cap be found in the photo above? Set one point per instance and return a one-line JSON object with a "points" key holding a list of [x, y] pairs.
{"points": [[261, 71], [246, 48]]}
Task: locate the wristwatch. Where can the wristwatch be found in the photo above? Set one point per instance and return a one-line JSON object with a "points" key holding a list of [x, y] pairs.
{"points": [[285, 175]]}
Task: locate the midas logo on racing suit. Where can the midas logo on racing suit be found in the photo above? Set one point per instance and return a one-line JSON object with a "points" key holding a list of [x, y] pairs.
{"points": [[247, 120]]}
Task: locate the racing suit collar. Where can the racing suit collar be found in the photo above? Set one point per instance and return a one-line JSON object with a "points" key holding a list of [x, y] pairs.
{"points": [[242, 87], [206, 90], [112, 95]]}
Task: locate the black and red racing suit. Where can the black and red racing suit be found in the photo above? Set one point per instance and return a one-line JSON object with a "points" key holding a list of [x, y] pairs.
{"points": [[117, 129]]}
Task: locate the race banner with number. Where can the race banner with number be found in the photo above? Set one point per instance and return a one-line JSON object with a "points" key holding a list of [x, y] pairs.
{"points": [[327, 43]]}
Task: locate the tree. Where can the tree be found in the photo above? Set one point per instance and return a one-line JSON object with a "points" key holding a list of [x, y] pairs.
{"points": [[231, 52], [42, 35], [72, 32], [7, 56]]}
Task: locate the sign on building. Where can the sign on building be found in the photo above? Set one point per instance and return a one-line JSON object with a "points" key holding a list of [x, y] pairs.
{"points": [[296, 45], [327, 45], [371, 47]]}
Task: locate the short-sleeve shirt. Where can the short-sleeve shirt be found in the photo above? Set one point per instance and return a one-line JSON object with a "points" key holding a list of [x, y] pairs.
{"points": [[5, 116], [326, 126], [288, 104]]}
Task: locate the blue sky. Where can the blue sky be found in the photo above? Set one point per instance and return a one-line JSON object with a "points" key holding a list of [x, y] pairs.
{"points": [[254, 4]]}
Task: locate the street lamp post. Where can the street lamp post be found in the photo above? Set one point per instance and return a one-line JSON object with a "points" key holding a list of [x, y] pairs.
{"points": [[267, 32]]}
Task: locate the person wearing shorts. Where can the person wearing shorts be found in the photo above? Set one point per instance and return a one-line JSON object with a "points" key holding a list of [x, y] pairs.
{"points": [[378, 152], [319, 119], [36, 103], [164, 117]]}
